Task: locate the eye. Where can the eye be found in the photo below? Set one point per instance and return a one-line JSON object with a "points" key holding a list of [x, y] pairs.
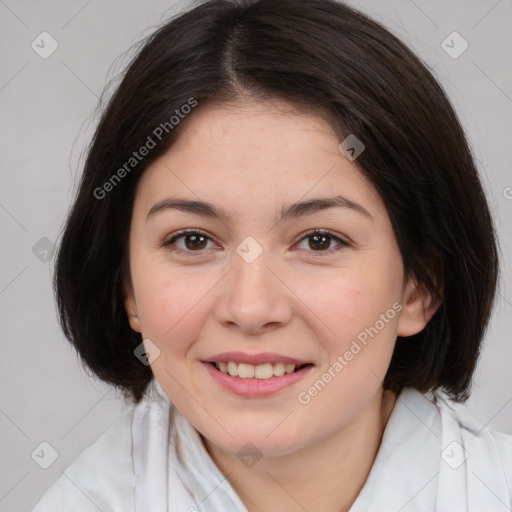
{"points": [[319, 240], [193, 241]]}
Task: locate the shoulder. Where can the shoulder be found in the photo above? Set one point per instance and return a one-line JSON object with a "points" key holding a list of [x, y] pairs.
{"points": [[476, 431], [504, 444], [488, 450], [100, 478]]}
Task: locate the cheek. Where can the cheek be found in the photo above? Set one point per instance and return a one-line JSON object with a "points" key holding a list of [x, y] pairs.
{"points": [[171, 307], [349, 303], [355, 319]]}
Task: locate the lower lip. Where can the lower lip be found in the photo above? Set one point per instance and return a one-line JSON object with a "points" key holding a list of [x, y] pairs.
{"points": [[254, 388]]}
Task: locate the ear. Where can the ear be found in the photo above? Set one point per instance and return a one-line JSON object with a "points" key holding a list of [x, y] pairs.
{"points": [[131, 309], [418, 307]]}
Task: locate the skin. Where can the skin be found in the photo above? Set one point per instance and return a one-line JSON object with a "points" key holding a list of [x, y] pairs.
{"points": [[251, 159]]}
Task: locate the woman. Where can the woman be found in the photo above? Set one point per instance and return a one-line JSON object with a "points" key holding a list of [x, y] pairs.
{"points": [[282, 252]]}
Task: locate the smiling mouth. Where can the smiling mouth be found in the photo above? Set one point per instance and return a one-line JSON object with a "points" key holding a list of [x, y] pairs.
{"points": [[262, 371]]}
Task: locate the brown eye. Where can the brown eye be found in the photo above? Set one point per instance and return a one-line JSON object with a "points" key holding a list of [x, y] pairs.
{"points": [[192, 241], [195, 241], [320, 242]]}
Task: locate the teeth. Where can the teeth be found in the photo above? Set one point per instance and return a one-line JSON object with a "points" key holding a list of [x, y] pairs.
{"points": [[289, 368], [233, 369], [279, 369], [246, 371], [262, 371], [249, 371]]}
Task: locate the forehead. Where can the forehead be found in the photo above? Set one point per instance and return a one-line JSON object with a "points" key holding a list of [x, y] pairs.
{"points": [[233, 129], [270, 152]]}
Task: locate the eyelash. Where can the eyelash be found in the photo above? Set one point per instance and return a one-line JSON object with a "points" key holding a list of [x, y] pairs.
{"points": [[308, 234]]}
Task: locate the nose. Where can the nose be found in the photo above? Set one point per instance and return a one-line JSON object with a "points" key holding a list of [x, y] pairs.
{"points": [[254, 297]]}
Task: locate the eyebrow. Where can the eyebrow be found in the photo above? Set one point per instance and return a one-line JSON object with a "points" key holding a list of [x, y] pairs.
{"points": [[288, 212]]}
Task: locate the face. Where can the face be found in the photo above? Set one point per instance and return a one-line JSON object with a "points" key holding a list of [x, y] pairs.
{"points": [[242, 276]]}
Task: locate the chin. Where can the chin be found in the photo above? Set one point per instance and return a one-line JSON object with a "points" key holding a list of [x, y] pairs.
{"points": [[257, 447], [245, 440]]}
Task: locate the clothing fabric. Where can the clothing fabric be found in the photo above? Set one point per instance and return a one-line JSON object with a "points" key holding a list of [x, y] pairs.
{"points": [[432, 458]]}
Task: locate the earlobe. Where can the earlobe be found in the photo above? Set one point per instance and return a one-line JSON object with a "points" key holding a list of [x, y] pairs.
{"points": [[419, 306], [131, 310]]}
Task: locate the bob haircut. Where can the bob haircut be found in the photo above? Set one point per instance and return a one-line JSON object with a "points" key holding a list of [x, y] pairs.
{"points": [[329, 60]]}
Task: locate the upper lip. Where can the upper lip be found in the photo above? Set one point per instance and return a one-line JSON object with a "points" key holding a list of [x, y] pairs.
{"points": [[255, 359]]}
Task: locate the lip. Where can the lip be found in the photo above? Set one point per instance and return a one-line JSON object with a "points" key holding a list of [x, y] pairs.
{"points": [[255, 359], [256, 388]]}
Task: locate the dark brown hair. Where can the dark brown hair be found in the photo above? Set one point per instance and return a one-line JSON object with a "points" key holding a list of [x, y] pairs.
{"points": [[333, 61]]}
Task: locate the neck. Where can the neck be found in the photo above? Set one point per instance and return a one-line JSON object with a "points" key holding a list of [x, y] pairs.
{"points": [[327, 475]]}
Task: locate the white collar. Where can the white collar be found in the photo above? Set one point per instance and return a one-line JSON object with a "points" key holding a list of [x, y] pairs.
{"points": [[181, 476]]}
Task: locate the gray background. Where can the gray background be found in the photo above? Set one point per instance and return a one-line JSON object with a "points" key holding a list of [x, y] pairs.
{"points": [[46, 108]]}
